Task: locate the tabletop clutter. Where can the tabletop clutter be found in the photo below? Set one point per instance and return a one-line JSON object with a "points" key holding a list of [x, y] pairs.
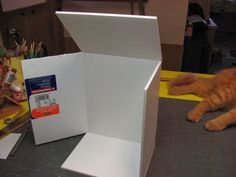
{"points": [[12, 88]]}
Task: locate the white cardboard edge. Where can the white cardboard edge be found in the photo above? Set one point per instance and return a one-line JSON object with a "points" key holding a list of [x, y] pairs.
{"points": [[106, 14], [149, 89]]}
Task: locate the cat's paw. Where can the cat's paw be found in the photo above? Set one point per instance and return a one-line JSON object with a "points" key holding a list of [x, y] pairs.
{"points": [[174, 91], [194, 116], [214, 125]]}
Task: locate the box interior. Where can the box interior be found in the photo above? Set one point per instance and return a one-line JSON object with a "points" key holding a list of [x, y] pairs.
{"points": [[100, 95], [103, 94]]}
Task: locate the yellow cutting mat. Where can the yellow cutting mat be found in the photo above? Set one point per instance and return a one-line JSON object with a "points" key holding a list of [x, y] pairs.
{"points": [[16, 115], [172, 74], [15, 62]]}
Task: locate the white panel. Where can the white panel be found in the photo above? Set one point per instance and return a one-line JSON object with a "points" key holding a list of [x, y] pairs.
{"points": [[103, 156], [115, 87], [72, 119], [120, 35], [7, 144], [150, 120]]}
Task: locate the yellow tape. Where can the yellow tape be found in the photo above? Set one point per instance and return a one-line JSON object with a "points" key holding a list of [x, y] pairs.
{"points": [[172, 74]]}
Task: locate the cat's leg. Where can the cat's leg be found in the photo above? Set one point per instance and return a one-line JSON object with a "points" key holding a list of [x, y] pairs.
{"points": [[222, 121], [200, 87], [181, 90], [182, 84], [211, 103], [198, 111]]}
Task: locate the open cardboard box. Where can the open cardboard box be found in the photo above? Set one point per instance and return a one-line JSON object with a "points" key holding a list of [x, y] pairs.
{"points": [[108, 91]]}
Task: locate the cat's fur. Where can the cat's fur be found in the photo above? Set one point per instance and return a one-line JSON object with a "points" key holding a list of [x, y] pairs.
{"points": [[218, 92]]}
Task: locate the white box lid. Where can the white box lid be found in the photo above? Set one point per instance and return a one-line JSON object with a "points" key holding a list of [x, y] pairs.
{"points": [[113, 34]]}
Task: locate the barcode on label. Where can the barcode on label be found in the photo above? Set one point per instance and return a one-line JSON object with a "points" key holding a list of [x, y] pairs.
{"points": [[44, 100], [42, 97]]}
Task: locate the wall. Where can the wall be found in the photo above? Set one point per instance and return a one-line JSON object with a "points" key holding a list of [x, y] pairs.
{"points": [[171, 16], [34, 23], [106, 7], [172, 19], [8, 5]]}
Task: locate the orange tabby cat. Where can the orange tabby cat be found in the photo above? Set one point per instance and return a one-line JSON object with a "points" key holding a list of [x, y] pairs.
{"points": [[218, 92]]}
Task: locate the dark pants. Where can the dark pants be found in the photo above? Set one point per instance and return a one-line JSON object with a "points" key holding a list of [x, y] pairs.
{"points": [[196, 54]]}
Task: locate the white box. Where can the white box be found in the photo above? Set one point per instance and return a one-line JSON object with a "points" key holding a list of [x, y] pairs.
{"points": [[108, 91]]}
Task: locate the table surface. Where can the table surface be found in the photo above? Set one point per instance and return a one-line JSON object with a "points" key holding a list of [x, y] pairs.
{"points": [[183, 149]]}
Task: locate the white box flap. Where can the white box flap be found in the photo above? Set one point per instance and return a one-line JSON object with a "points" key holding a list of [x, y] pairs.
{"points": [[112, 34]]}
